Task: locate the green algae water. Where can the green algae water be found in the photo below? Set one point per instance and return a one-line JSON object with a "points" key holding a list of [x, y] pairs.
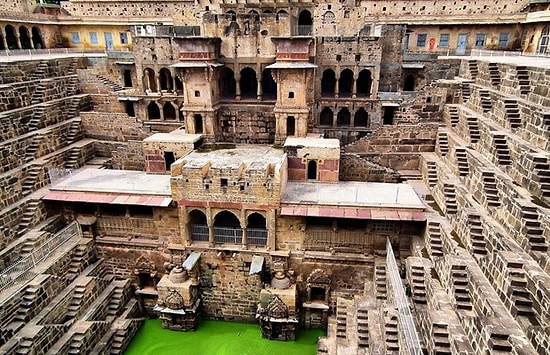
{"points": [[218, 338]]}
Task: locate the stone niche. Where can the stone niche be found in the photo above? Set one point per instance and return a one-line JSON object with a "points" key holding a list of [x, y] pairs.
{"points": [[313, 159], [318, 297], [179, 300], [277, 311]]}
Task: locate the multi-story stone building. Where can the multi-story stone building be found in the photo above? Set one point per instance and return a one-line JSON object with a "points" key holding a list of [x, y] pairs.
{"points": [[368, 167]]}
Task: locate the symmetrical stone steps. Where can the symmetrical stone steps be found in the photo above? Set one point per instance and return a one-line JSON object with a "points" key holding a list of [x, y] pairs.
{"points": [[33, 148], [73, 158], [431, 168], [434, 235], [462, 161], [75, 132], [477, 240], [416, 278], [391, 332], [450, 198], [28, 217], [473, 69], [341, 319], [465, 89], [33, 176], [473, 128], [532, 230], [362, 327], [512, 114], [494, 74], [490, 188], [108, 82], [453, 114], [461, 292], [486, 102], [442, 143], [502, 152], [380, 280], [524, 83], [440, 334]]}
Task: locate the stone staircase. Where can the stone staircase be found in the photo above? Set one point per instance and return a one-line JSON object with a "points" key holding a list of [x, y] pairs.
{"points": [[28, 217], [391, 333], [502, 152], [77, 263], [341, 319], [41, 71], [490, 188], [523, 80], [499, 344], [519, 296], [34, 146], [35, 122], [473, 69], [32, 177], [418, 286], [380, 280], [38, 95], [465, 88], [473, 128], [72, 86], [116, 301], [477, 240], [485, 100], [362, 327], [541, 174], [494, 74], [532, 230], [74, 133], [442, 143], [453, 115], [512, 114], [440, 334], [450, 198], [434, 234], [73, 158], [29, 302], [109, 83], [431, 169], [462, 161], [459, 279], [76, 302]]}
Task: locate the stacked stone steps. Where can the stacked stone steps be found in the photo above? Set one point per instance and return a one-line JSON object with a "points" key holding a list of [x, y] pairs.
{"points": [[485, 100], [532, 230], [32, 296], [73, 158], [38, 95], [512, 113], [380, 280], [450, 198], [362, 327], [33, 148], [440, 334], [519, 296], [453, 115], [436, 244], [462, 161], [341, 319], [459, 279], [418, 287], [109, 83], [502, 152], [35, 123], [391, 333], [523, 80], [479, 246], [473, 69], [431, 168], [74, 132], [33, 176], [25, 347], [28, 217], [499, 344], [490, 188], [494, 74], [76, 301], [78, 261], [124, 329], [72, 86], [465, 88], [443, 143], [473, 128], [41, 71], [116, 301], [541, 174]]}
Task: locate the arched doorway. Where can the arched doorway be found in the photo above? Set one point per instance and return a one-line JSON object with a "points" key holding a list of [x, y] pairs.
{"points": [[198, 226], [11, 38], [149, 80], [227, 228], [248, 83], [269, 86], [312, 170], [326, 118], [290, 126], [256, 231], [345, 83], [24, 37], [165, 78], [153, 111], [361, 118], [169, 112], [328, 83], [2, 47], [409, 83], [364, 83], [305, 23], [544, 41], [37, 38], [227, 83], [344, 117]]}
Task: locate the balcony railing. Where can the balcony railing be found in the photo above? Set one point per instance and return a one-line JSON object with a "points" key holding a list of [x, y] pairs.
{"points": [[256, 236], [123, 226], [230, 235], [305, 30], [199, 232], [325, 240]]}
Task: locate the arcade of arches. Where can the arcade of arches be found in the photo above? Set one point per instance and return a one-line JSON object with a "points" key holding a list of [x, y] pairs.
{"points": [[346, 84], [20, 37]]}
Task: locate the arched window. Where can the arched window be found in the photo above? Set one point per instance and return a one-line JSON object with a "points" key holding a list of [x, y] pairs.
{"points": [[269, 86], [153, 111], [227, 228], [169, 112], [543, 41], [11, 38], [165, 79], [364, 83], [328, 83], [305, 23], [326, 117], [24, 37], [248, 83], [232, 15], [37, 38], [361, 118], [345, 83], [409, 83], [149, 80], [198, 227], [312, 170], [227, 83], [256, 230], [343, 119]]}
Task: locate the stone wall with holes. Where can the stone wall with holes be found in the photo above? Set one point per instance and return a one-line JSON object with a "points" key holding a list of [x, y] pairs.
{"points": [[254, 125], [17, 6]]}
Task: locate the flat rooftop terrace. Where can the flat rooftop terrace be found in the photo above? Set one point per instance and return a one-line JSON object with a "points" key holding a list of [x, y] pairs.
{"points": [[254, 156]]}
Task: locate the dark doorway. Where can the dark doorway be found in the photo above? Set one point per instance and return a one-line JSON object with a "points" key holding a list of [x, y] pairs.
{"points": [[127, 78], [153, 111], [169, 159], [227, 84], [312, 170], [290, 126], [169, 112], [344, 118], [305, 23], [361, 118], [11, 38], [24, 38], [130, 109], [269, 86], [328, 82], [345, 83], [389, 113], [248, 83], [409, 83], [165, 78], [326, 117], [149, 80], [198, 123], [364, 83], [37, 38]]}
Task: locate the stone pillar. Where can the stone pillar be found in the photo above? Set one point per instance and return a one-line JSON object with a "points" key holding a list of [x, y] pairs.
{"points": [[237, 86], [337, 87], [186, 236], [30, 39], [210, 222], [271, 229], [4, 40], [157, 78], [244, 241], [18, 39], [354, 86], [259, 89]]}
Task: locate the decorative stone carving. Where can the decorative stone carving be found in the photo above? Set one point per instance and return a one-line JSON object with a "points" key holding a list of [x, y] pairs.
{"points": [[174, 300]]}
